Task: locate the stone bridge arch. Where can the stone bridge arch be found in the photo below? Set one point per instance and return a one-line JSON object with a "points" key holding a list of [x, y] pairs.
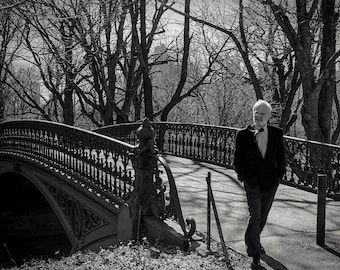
{"points": [[28, 225], [87, 221]]}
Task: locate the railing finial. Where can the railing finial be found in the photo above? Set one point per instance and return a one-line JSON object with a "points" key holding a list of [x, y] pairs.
{"points": [[146, 136]]}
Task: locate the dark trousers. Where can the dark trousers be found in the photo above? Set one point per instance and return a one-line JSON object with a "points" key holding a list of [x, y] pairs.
{"points": [[259, 204]]}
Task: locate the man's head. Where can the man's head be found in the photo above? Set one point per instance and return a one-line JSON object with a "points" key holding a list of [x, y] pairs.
{"points": [[261, 113]]}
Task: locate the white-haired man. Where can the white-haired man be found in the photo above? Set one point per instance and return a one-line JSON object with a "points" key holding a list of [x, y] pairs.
{"points": [[260, 164]]}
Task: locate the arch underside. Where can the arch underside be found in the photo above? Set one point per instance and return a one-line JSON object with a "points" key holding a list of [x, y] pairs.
{"points": [[88, 221]]}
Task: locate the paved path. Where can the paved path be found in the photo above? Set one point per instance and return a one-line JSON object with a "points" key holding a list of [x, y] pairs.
{"points": [[290, 234]]}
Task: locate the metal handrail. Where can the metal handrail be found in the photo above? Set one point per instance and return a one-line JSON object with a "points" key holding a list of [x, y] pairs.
{"points": [[174, 208], [96, 163], [215, 144]]}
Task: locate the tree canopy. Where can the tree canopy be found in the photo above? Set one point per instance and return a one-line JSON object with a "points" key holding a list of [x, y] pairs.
{"points": [[98, 62]]}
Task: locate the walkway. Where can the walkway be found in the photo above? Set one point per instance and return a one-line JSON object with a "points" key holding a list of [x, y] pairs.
{"points": [[290, 235]]}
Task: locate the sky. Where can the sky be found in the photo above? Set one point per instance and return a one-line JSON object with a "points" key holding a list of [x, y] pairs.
{"points": [[223, 7]]}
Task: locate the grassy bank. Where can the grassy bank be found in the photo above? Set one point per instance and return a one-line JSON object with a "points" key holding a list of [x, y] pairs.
{"points": [[133, 256]]}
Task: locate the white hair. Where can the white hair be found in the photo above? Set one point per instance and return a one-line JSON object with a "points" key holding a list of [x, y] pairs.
{"points": [[263, 103]]}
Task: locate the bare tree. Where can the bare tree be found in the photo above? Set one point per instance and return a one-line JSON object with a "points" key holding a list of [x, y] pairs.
{"points": [[23, 95], [184, 69], [48, 38], [318, 80], [304, 68], [99, 29], [142, 44], [272, 51], [6, 5], [10, 41], [189, 83], [119, 58]]}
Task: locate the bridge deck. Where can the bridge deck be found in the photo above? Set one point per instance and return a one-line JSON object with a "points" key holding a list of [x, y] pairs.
{"points": [[290, 235]]}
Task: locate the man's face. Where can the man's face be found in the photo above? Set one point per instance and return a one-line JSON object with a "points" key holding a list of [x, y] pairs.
{"points": [[261, 115]]}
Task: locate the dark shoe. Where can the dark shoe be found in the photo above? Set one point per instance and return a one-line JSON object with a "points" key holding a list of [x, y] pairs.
{"points": [[256, 266], [256, 262]]}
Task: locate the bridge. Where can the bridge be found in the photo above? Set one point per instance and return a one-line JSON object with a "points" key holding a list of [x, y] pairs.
{"points": [[90, 189]]}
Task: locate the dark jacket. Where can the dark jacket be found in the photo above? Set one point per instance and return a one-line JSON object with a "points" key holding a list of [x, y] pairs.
{"points": [[251, 167]]}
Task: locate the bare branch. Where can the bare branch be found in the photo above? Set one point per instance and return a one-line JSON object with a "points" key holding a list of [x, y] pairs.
{"points": [[10, 6]]}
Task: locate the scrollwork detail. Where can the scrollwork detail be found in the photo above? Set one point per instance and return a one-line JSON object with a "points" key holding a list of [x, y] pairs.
{"points": [[81, 219]]}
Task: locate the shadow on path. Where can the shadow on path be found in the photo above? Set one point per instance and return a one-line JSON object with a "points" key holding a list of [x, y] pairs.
{"points": [[273, 263], [330, 250]]}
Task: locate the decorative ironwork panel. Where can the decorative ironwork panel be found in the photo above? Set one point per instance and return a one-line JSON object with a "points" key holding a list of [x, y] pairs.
{"points": [[306, 159], [167, 203], [81, 219]]}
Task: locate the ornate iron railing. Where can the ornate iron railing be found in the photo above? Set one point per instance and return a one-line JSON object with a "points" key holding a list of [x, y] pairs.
{"points": [[215, 144], [96, 163], [306, 159], [212, 144]]}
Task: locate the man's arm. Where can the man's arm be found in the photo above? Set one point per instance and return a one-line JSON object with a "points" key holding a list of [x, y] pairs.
{"points": [[239, 158]]}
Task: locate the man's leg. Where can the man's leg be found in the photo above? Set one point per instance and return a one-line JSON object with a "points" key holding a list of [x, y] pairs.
{"points": [[267, 199], [252, 235]]}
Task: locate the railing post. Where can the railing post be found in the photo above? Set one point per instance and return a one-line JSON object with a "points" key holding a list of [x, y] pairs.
{"points": [[144, 163], [161, 136], [208, 210], [321, 209]]}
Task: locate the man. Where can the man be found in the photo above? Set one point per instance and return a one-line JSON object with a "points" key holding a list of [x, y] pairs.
{"points": [[260, 164]]}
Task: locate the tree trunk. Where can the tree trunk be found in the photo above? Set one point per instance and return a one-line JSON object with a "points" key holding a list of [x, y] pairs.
{"points": [[68, 110], [314, 111], [68, 107], [184, 69], [2, 103], [137, 104], [328, 89], [288, 118], [310, 112], [147, 85], [108, 113]]}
